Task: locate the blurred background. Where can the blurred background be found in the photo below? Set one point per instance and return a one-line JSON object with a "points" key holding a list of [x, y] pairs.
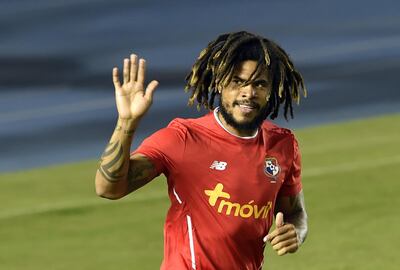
{"points": [[56, 93], [56, 57]]}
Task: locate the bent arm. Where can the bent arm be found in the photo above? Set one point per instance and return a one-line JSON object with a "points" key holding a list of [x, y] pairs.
{"points": [[119, 174], [293, 208]]}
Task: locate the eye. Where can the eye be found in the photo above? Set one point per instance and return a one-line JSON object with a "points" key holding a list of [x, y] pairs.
{"points": [[237, 81], [261, 84]]}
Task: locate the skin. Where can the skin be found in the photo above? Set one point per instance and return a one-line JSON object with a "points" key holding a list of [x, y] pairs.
{"points": [[119, 173], [236, 95], [286, 237]]}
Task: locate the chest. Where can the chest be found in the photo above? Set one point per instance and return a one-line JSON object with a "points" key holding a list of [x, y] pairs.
{"points": [[244, 172]]}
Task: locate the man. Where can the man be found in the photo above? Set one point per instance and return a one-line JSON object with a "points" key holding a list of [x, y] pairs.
{"points": [[228, 171]]}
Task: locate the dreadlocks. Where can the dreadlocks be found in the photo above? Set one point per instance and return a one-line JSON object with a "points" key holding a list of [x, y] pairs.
{"points": [[215, 66]]}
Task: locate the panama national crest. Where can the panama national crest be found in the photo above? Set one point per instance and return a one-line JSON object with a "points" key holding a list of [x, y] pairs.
{"points": [[272, 168]]}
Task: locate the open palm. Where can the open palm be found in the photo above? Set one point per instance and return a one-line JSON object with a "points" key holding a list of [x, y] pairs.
{"points": [[132, 98]]}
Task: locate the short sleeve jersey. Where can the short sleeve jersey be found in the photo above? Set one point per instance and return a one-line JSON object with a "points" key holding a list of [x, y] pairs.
{"points": [[222, 189]]}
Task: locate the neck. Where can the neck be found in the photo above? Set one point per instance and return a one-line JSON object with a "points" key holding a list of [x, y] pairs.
{"points": [[237, 132]]}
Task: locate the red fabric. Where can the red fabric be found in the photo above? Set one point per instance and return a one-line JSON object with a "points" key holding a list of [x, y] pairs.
{"points": [[227, 233]]}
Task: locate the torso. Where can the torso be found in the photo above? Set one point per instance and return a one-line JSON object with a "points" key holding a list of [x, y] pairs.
{"points": [[222, 184]]}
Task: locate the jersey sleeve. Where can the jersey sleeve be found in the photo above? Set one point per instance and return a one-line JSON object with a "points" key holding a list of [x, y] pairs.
{"points": [[292, 184], [164, 147]]}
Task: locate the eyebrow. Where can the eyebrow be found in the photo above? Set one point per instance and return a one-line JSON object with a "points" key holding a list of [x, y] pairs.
{"points": [[261, 81], [256, 81]]}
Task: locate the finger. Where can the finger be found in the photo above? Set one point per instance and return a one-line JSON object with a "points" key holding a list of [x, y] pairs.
{"points": [[283, 244], [290, 249], [279, 220], [133, 67], [116, 82], [277, 232], [126, 70], [283, 237], [150, 90], [141, 72], [265, 239]]}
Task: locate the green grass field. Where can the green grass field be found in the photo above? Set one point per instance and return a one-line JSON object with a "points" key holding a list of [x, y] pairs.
{"points": [[50, 218]]}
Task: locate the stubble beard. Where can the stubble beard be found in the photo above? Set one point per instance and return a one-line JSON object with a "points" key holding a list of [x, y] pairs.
{"points": [[245, 126]]}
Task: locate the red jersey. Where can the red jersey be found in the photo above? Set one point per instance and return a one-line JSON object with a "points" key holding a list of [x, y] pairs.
{"points": [[222, 190]]}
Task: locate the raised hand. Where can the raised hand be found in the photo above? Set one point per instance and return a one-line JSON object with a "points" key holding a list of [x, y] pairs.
{"points": [[284, 238], [132, 98]]}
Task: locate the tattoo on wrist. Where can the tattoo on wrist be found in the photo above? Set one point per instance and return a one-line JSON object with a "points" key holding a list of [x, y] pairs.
{"points": [[129, 132], [125, 131]]}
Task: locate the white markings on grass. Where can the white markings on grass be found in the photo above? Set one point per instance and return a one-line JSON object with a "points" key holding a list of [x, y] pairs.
{"points": [[308, 172]]}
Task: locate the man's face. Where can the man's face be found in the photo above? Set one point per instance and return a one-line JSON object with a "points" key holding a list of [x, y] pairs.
{"points": [[243, 106]]}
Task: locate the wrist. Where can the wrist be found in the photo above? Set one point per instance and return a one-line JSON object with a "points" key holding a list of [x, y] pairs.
{"points": [[127, 125]]}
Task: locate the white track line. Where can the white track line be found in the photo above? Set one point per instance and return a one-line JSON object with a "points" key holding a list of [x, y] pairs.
{"points": [[308, 172]]}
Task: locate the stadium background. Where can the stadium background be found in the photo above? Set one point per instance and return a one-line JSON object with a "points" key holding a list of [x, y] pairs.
{"points": [[57, 107]]}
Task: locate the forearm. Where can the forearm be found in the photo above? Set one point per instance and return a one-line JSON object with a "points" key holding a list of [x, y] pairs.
{"points": [[294, 210], [112, 173], [299, 220]]}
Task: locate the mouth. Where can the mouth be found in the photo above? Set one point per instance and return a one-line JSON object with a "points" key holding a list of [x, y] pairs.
{"points": [[247, 108]]}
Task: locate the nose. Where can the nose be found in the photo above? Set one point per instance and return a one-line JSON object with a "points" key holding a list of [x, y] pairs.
{"points": [[248, 91]]}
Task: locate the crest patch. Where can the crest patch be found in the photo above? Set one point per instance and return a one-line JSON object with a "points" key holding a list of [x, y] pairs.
{"points": [[272, 167]]}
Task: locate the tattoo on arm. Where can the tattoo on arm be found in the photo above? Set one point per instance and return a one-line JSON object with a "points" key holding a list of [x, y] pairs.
{"points": [[141, 171], [125, 131], [112, 162]]}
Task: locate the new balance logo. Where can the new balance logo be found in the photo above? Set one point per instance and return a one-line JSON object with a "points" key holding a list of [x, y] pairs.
{"points": [[218, 165]]}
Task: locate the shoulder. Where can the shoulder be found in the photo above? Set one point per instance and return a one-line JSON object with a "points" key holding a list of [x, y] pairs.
{"points": [[277, 133], [191, 123], [270, 127]]}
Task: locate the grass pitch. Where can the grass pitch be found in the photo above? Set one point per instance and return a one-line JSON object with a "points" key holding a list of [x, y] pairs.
{"points": [[50, 218]]}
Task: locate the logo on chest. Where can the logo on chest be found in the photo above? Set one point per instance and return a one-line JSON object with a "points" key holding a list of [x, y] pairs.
{"points": [[218, 165], [220, 199], [272, 168]]}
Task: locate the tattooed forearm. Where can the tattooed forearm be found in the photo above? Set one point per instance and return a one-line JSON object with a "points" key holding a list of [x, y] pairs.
{"points": [[112, 162], [115, 159], [119, 173]]}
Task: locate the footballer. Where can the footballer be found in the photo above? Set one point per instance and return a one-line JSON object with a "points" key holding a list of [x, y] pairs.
{"points": [[229, 172]]}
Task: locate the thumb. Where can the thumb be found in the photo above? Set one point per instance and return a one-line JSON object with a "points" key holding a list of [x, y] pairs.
{"points": [[279, 219], [150, 89]]}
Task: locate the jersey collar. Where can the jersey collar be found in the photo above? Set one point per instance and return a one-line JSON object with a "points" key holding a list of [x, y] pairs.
{"points": [[220, 123]]}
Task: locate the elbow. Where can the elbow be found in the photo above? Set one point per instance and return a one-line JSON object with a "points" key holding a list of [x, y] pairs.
{"points": [[103, 193], [106, 190]]}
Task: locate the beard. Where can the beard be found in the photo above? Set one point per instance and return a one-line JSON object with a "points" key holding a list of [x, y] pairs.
{"points": [[245, 126]]}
